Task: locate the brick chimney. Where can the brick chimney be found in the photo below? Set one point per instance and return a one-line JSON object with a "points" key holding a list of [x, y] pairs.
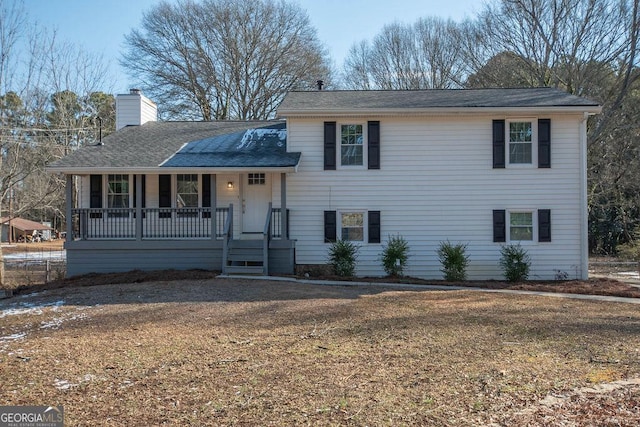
{"points": [[134, 109]]}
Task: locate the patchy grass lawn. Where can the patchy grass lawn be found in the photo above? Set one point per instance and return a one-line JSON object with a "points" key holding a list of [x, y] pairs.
{"points": [[238, 352]]}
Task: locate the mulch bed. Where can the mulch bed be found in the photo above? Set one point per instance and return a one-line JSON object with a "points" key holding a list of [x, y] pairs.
{"points": [[596, 286]]}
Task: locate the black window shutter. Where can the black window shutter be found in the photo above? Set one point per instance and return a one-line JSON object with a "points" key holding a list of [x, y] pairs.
{"points": [[329, 146], [206, 191], [330, 226], [544, 225], [374, 226], [95, 190], [544, 143], [164, 191], [498, 144], [373, 135], [499, 226]]}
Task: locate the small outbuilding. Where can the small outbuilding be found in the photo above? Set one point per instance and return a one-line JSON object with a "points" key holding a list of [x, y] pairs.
{"points": [[23, 230]]}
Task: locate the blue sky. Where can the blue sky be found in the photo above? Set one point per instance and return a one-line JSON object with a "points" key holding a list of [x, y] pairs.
{"points": [[99, 26]]}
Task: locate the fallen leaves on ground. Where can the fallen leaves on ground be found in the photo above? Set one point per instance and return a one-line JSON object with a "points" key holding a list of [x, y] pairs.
{"points": [[208, 351]]}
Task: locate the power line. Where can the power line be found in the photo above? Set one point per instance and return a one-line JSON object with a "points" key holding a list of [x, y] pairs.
{"points": [[29, 129]]}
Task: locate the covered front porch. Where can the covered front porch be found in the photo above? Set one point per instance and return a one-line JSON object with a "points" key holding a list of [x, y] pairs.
{"points": [[223, 221], [181, 195]]}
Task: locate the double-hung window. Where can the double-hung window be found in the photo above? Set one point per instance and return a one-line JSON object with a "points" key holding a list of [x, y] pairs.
{"points": [[352, 145], [187, 191], [352, 226], [118, 194], [520, 142], [118, 191], [521, 226]]}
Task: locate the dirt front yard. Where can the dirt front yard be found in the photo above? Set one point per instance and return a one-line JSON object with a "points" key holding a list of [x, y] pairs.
{"points": [[246, 352]]}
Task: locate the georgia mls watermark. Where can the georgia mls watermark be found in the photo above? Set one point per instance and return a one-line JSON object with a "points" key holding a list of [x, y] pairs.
{"points": [[31, 416]]}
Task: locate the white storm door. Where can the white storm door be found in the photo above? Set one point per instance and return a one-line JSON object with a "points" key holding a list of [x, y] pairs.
{"points": [[256, 195]]}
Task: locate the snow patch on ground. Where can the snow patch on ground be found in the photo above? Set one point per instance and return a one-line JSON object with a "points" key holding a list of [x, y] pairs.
{"points": [[37, 256], [27, 308], [20, 308], [630, 274], [56, 322], [14, 337]]}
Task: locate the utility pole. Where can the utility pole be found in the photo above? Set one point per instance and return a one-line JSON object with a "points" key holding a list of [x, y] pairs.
{"points": [[10, 230]]}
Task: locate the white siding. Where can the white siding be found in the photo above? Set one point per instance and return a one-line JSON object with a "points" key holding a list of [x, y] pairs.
{"points": [[437, 183], [134, 109]]}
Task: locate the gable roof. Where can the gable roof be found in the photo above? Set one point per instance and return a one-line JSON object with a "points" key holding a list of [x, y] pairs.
{"points": [[160, 146], [313, 103], [24, 224]]}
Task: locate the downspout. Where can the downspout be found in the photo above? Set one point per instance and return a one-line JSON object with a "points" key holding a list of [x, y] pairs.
{"points": [[584, 215]]}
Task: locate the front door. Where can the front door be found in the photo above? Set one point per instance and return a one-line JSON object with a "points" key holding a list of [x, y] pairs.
{"points": [[256, 195]]}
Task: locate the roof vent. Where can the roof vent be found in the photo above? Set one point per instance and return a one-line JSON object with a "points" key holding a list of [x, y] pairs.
{"points": [[320, 83]]}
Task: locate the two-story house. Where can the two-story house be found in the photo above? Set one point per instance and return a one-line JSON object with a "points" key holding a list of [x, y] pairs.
{"points": [[484, 167]]}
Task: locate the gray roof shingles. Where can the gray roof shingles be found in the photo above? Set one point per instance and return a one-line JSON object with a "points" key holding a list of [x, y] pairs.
{"points": [[156, 143], [426, 99], [219, 144], [259, 147]]}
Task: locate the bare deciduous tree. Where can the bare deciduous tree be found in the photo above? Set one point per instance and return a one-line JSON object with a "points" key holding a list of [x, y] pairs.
{"points": [[48, 105], [425, 55], [224, 59], [588, 48], [356, 74]]}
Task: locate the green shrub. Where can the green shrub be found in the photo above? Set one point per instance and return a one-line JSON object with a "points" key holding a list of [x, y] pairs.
{"points": [[342, 257], [515, 263], [395, 255], [454, 261]]}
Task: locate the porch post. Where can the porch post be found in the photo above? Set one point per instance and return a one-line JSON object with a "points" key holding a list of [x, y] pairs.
{"points": [[283, 206], [69, 207], [214, 222], [138, 178]]}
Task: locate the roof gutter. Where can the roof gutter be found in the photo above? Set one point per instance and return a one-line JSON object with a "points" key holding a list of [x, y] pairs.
{"points": [[436, 111], [167, 170]]}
